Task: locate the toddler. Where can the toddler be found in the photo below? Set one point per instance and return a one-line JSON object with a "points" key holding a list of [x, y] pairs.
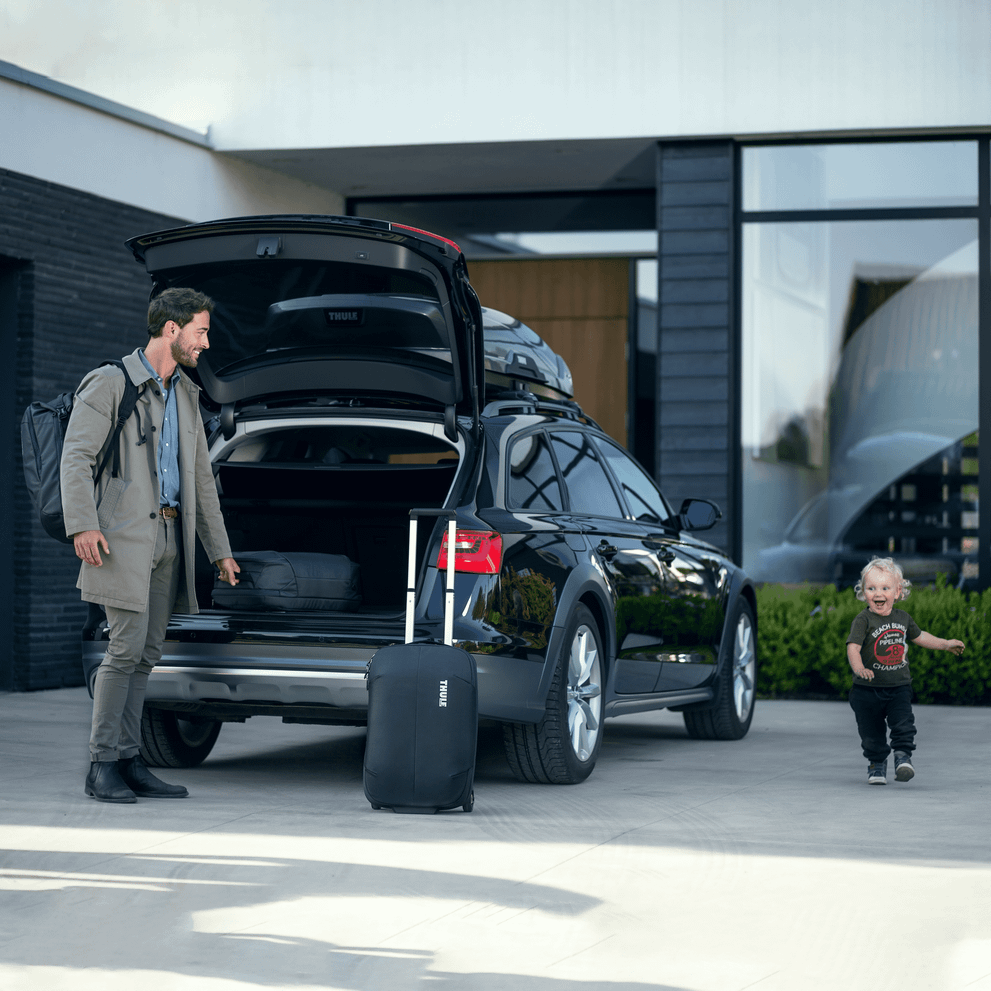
{"points": [[877, 650]]}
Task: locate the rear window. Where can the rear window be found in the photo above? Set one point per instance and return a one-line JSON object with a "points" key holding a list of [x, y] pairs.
{"points": [[244, 323], [331, 446], [533, 481]]}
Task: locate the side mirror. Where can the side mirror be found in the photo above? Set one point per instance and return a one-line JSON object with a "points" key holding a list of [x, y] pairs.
{"points": [[699, 514]]}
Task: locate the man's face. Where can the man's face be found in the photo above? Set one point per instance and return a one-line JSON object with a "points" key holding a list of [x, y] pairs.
{"points": [[191, 340], [881, 589]]}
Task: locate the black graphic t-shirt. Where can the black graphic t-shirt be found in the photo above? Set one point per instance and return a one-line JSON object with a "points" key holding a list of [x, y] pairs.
{"points": [[883, 644]]}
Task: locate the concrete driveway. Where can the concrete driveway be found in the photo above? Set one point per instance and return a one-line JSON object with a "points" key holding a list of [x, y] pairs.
{"points": [[767, 863]]}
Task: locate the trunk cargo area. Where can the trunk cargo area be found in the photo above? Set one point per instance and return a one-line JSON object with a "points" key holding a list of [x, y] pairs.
{"points": [[358, 510]]}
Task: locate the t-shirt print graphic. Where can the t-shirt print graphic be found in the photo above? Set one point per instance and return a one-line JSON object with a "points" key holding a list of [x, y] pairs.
{"points": [[889, 647]]}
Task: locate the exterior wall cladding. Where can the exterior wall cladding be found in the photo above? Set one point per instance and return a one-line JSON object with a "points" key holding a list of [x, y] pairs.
{"points": [[695, 361], [72, 296]]}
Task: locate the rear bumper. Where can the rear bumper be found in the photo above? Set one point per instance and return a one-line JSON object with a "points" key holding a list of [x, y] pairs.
{"points": [[268, 679]]}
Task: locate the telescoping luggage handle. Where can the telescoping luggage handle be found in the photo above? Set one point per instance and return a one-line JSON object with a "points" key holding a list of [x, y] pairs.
{"points": [[414, 515]]}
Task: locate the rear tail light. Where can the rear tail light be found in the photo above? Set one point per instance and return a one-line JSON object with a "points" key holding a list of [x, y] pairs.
{"points": [[476, 551]]}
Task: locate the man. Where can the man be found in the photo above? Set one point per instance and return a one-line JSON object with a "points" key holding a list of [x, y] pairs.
{"points": [[135, 534]]}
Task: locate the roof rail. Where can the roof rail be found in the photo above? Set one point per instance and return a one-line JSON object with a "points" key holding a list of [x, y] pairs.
{"points": [[517, 400]]}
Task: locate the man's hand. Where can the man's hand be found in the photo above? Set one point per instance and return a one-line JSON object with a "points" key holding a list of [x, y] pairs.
{"points": [[228, 568], [88, 544]]}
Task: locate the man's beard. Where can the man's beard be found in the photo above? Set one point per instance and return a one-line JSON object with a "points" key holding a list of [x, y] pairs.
{"points": [[187, 359]]}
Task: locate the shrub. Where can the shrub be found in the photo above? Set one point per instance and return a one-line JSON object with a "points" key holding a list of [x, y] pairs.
{"points": [[803, 631]]}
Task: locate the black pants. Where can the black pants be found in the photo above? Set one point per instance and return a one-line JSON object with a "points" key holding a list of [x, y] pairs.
{"points": [[875, 706]]}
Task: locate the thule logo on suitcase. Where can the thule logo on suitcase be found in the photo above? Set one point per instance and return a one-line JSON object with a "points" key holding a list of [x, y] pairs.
{"points": [[442, 702]]}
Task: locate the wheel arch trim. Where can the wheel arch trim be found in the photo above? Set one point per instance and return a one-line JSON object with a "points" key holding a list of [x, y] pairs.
{"points": [[582, 588]]}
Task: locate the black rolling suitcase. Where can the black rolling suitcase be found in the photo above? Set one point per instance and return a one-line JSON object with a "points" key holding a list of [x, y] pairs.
{"points": [[422, 711]]}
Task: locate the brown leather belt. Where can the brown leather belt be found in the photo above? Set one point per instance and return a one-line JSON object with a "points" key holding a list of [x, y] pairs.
{"points": [[168, 512]]}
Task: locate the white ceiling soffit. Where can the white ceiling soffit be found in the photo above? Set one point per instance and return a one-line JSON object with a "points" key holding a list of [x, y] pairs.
{"points": [[424, 170]]}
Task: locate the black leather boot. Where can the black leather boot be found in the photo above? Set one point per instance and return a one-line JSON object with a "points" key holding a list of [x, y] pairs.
{"points": [[143, 783], [105, 784]]}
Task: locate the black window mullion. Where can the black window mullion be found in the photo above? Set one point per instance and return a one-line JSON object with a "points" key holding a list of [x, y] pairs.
{"points": [[984, 360], [875, 213]]}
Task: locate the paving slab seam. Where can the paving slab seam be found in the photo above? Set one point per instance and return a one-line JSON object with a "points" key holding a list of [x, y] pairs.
{"points": [[760, 980], [584, 949]]}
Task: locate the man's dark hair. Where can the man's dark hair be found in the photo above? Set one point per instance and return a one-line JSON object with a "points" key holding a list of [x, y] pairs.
{"points": [[177, 304]]}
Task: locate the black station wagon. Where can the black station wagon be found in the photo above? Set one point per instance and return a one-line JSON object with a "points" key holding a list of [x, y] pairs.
{"points": [[353, 376]]}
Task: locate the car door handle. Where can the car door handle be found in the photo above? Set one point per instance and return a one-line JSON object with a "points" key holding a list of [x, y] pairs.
{"points": [[666, 556], [606, 550]]}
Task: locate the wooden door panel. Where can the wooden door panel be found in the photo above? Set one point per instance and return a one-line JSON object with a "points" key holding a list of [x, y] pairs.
{"points": [[579, 306]]}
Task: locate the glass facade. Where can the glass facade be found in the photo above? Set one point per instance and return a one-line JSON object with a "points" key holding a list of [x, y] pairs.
{"points": [[859, 392], [860, 176]]}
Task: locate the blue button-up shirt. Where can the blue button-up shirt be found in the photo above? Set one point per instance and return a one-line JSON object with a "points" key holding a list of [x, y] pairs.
{"points": [[168, 443]]}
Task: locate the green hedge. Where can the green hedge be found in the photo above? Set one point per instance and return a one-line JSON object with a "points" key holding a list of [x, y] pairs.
{"points": [[802, 643]]}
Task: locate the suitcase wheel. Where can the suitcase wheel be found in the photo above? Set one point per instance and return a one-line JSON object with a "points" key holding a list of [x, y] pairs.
{"points": [[470, 804], [376, 807]]}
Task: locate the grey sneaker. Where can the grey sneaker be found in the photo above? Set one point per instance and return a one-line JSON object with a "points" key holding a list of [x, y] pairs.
{"points": [[877, 772], [903, 766]]}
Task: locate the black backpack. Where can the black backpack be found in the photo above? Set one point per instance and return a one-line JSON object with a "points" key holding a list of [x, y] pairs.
{"points": [[43, 427]]}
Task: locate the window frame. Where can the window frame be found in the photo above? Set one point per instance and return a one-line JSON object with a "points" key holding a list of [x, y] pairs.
{"points": [[981, 212], [617, 493], [667, 523], [513, 441]]}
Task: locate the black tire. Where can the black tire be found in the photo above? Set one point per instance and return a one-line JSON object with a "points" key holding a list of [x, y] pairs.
{"points": [[729, 714], [170, 741], [562, 748]]}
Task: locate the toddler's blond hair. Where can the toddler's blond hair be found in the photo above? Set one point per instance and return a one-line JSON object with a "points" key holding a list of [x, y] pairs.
{"points": [[893, 568]]}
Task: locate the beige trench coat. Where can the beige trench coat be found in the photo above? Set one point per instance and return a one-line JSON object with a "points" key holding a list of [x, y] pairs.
{"points": [[126, 509]]}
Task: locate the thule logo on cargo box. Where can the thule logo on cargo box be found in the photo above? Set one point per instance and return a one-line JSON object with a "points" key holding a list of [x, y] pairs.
{"points": [[442, 702], [346, 318]]}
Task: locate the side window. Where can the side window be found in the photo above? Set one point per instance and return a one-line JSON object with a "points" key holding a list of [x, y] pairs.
{"points": [[533, 481], [645, 502], [589, 490]]}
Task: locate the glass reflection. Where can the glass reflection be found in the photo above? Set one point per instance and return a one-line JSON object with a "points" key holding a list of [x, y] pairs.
{"points": [[860, 375], [533, 484], [855, 176], [589, 490]]}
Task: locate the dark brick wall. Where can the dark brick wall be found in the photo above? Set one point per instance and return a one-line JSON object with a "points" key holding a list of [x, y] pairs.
{"points": [[696, 377], [70, 295]]}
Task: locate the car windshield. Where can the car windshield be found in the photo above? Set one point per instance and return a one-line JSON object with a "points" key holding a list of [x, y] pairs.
{"points": [[248, 321]]}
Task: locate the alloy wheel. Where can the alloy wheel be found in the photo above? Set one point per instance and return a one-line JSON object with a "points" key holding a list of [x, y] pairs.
{"points": [[584, 693], [744, 667]]}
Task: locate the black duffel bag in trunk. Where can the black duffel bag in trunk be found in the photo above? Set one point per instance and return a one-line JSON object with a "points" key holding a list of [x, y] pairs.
{"points": [[291, 581]]}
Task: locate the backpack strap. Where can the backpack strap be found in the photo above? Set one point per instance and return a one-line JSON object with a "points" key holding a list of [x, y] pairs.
{"points": [[127, 404]]}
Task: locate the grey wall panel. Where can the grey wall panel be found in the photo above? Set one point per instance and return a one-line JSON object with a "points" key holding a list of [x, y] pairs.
{"points": [[678, 341], [699, 390], [695, 365], [693, 315], [695, 290], [694, 193], [694, 439], [693, 414], [682, 164], [693, 218], [692, 242], [696, 266]]}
